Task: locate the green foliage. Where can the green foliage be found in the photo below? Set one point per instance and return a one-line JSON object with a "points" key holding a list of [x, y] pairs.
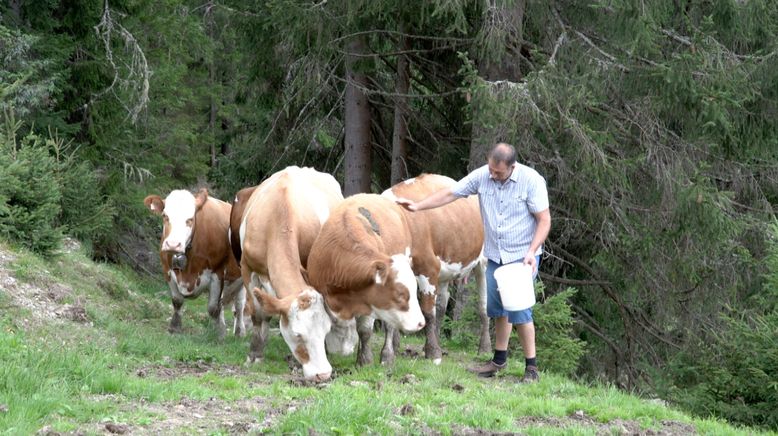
{"points": [[733, 371], [47, 193], [30, 194], [558, 350]]}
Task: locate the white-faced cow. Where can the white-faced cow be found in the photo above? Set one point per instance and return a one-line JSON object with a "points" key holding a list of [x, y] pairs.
{"points": [[447, 246], [281, 220], [361, 264], [195, 253]]}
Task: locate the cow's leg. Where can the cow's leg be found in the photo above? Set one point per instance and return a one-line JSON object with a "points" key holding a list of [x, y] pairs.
{"points": [[178, 304], [390, 345], [441, 305], [235, 294], [239, 307], [261, 325], [427, 287], [215, 306], [258, 338], [365, 331], [485, 343]]}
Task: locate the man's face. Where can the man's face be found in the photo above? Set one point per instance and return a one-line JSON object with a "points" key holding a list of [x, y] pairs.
{"points": [[500, 171]]}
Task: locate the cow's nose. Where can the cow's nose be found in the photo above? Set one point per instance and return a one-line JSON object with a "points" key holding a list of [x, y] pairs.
{"points": [[168, 246], [318, 378], [422, 323]]}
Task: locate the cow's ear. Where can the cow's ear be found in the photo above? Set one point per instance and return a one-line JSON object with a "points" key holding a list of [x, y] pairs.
{"points": [[272, 305], [200, 198], [155, 204], [381, 272]]}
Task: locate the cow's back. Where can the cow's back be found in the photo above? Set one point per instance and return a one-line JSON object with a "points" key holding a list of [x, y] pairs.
{"points": [[293, 203], [362, 229], [455, 231]]}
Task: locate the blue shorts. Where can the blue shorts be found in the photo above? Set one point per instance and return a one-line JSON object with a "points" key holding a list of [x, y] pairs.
{"points": [[494, 307]]}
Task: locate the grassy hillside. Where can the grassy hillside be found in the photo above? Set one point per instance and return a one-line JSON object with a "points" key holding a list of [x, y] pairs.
{"points": [[85, 350]]}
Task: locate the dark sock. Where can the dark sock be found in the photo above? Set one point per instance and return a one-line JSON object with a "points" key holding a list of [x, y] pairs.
{"points": [[530, 362], [500, 356]]}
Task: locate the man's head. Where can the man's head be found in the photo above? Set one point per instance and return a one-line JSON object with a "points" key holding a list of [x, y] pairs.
{"points": [[501, 160]]}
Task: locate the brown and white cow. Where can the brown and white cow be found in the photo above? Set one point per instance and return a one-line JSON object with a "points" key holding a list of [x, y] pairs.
{"points": [[196, 255], [361, 263], [281, 220], [447, 245]]}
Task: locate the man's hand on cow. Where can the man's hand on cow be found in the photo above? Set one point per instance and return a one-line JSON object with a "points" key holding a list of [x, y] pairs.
{"points": [[408, 204]]}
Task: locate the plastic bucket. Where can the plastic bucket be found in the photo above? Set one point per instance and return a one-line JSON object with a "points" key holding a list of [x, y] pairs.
{"points": [[517, 289]]}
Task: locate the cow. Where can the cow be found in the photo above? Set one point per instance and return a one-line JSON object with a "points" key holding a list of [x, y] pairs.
{"points": [[361, 263], [447, 245], [196, 255], [236, 216], [280, 222]]}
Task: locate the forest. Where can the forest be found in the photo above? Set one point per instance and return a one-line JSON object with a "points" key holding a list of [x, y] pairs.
{"points": [[653, 122]]}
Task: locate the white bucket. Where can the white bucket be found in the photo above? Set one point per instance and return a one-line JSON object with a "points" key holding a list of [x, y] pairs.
{"points": [[517, 290]]}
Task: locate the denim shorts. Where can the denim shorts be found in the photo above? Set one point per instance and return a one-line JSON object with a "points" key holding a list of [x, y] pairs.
{"points": [[494, 307]]}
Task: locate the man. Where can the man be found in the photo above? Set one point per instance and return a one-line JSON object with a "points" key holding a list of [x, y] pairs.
{"points": [[514, 209]]}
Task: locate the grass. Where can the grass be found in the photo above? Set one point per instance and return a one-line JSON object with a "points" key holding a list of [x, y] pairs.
{"points": [[123, 367]]}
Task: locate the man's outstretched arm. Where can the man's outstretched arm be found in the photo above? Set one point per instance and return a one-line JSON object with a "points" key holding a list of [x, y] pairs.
{"points": [[436, 199]]}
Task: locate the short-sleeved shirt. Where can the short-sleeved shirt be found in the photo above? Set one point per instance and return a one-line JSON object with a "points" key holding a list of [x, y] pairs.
{"points": [[506, 209]]}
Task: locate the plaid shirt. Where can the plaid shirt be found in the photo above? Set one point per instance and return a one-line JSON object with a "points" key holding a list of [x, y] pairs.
{"points": [[506, 209]]}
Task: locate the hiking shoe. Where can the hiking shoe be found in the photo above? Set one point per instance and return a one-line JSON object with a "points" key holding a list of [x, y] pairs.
{"points": [[531, 375], [489, 369]]}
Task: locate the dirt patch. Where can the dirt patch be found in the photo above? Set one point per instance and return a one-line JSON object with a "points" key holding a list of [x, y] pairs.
{"points": [[196, 369], [188, 416], [616, 426], [44, 301]]}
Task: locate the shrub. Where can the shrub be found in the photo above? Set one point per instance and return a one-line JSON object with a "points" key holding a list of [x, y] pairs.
{"points": [[558, 350], [29, 195], [46, 193]]}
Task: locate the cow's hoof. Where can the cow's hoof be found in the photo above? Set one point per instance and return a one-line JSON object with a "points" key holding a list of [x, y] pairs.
{"points": [[387, 360], [252, 360], [175, 330]]}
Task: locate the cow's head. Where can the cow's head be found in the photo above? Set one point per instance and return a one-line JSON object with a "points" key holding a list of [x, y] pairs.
{"points": [[178, 217], [304, 326], [397, 284]]}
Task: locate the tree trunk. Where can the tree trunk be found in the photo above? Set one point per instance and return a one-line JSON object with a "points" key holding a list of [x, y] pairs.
{"points": [[16, 10], [400, 135], [357, 140], [213, 111], [505, 68]]}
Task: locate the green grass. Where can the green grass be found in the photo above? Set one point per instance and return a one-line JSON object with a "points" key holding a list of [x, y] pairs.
{"points": [[123, 367]]}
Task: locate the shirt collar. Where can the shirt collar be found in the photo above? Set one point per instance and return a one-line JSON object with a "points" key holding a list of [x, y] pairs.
{"points": [[515, 173]]}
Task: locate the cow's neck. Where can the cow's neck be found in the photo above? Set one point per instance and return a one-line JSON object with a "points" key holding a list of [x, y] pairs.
{"points": [[283, 262]]}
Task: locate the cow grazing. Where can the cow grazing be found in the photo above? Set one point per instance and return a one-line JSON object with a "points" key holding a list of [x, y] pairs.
{"points": [[195, 254], [361, 263], [447, 245], [282, 218]]}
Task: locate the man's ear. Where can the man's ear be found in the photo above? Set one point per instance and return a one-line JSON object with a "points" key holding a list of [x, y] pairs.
{"points": [[155, 204], [200, 198]]}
